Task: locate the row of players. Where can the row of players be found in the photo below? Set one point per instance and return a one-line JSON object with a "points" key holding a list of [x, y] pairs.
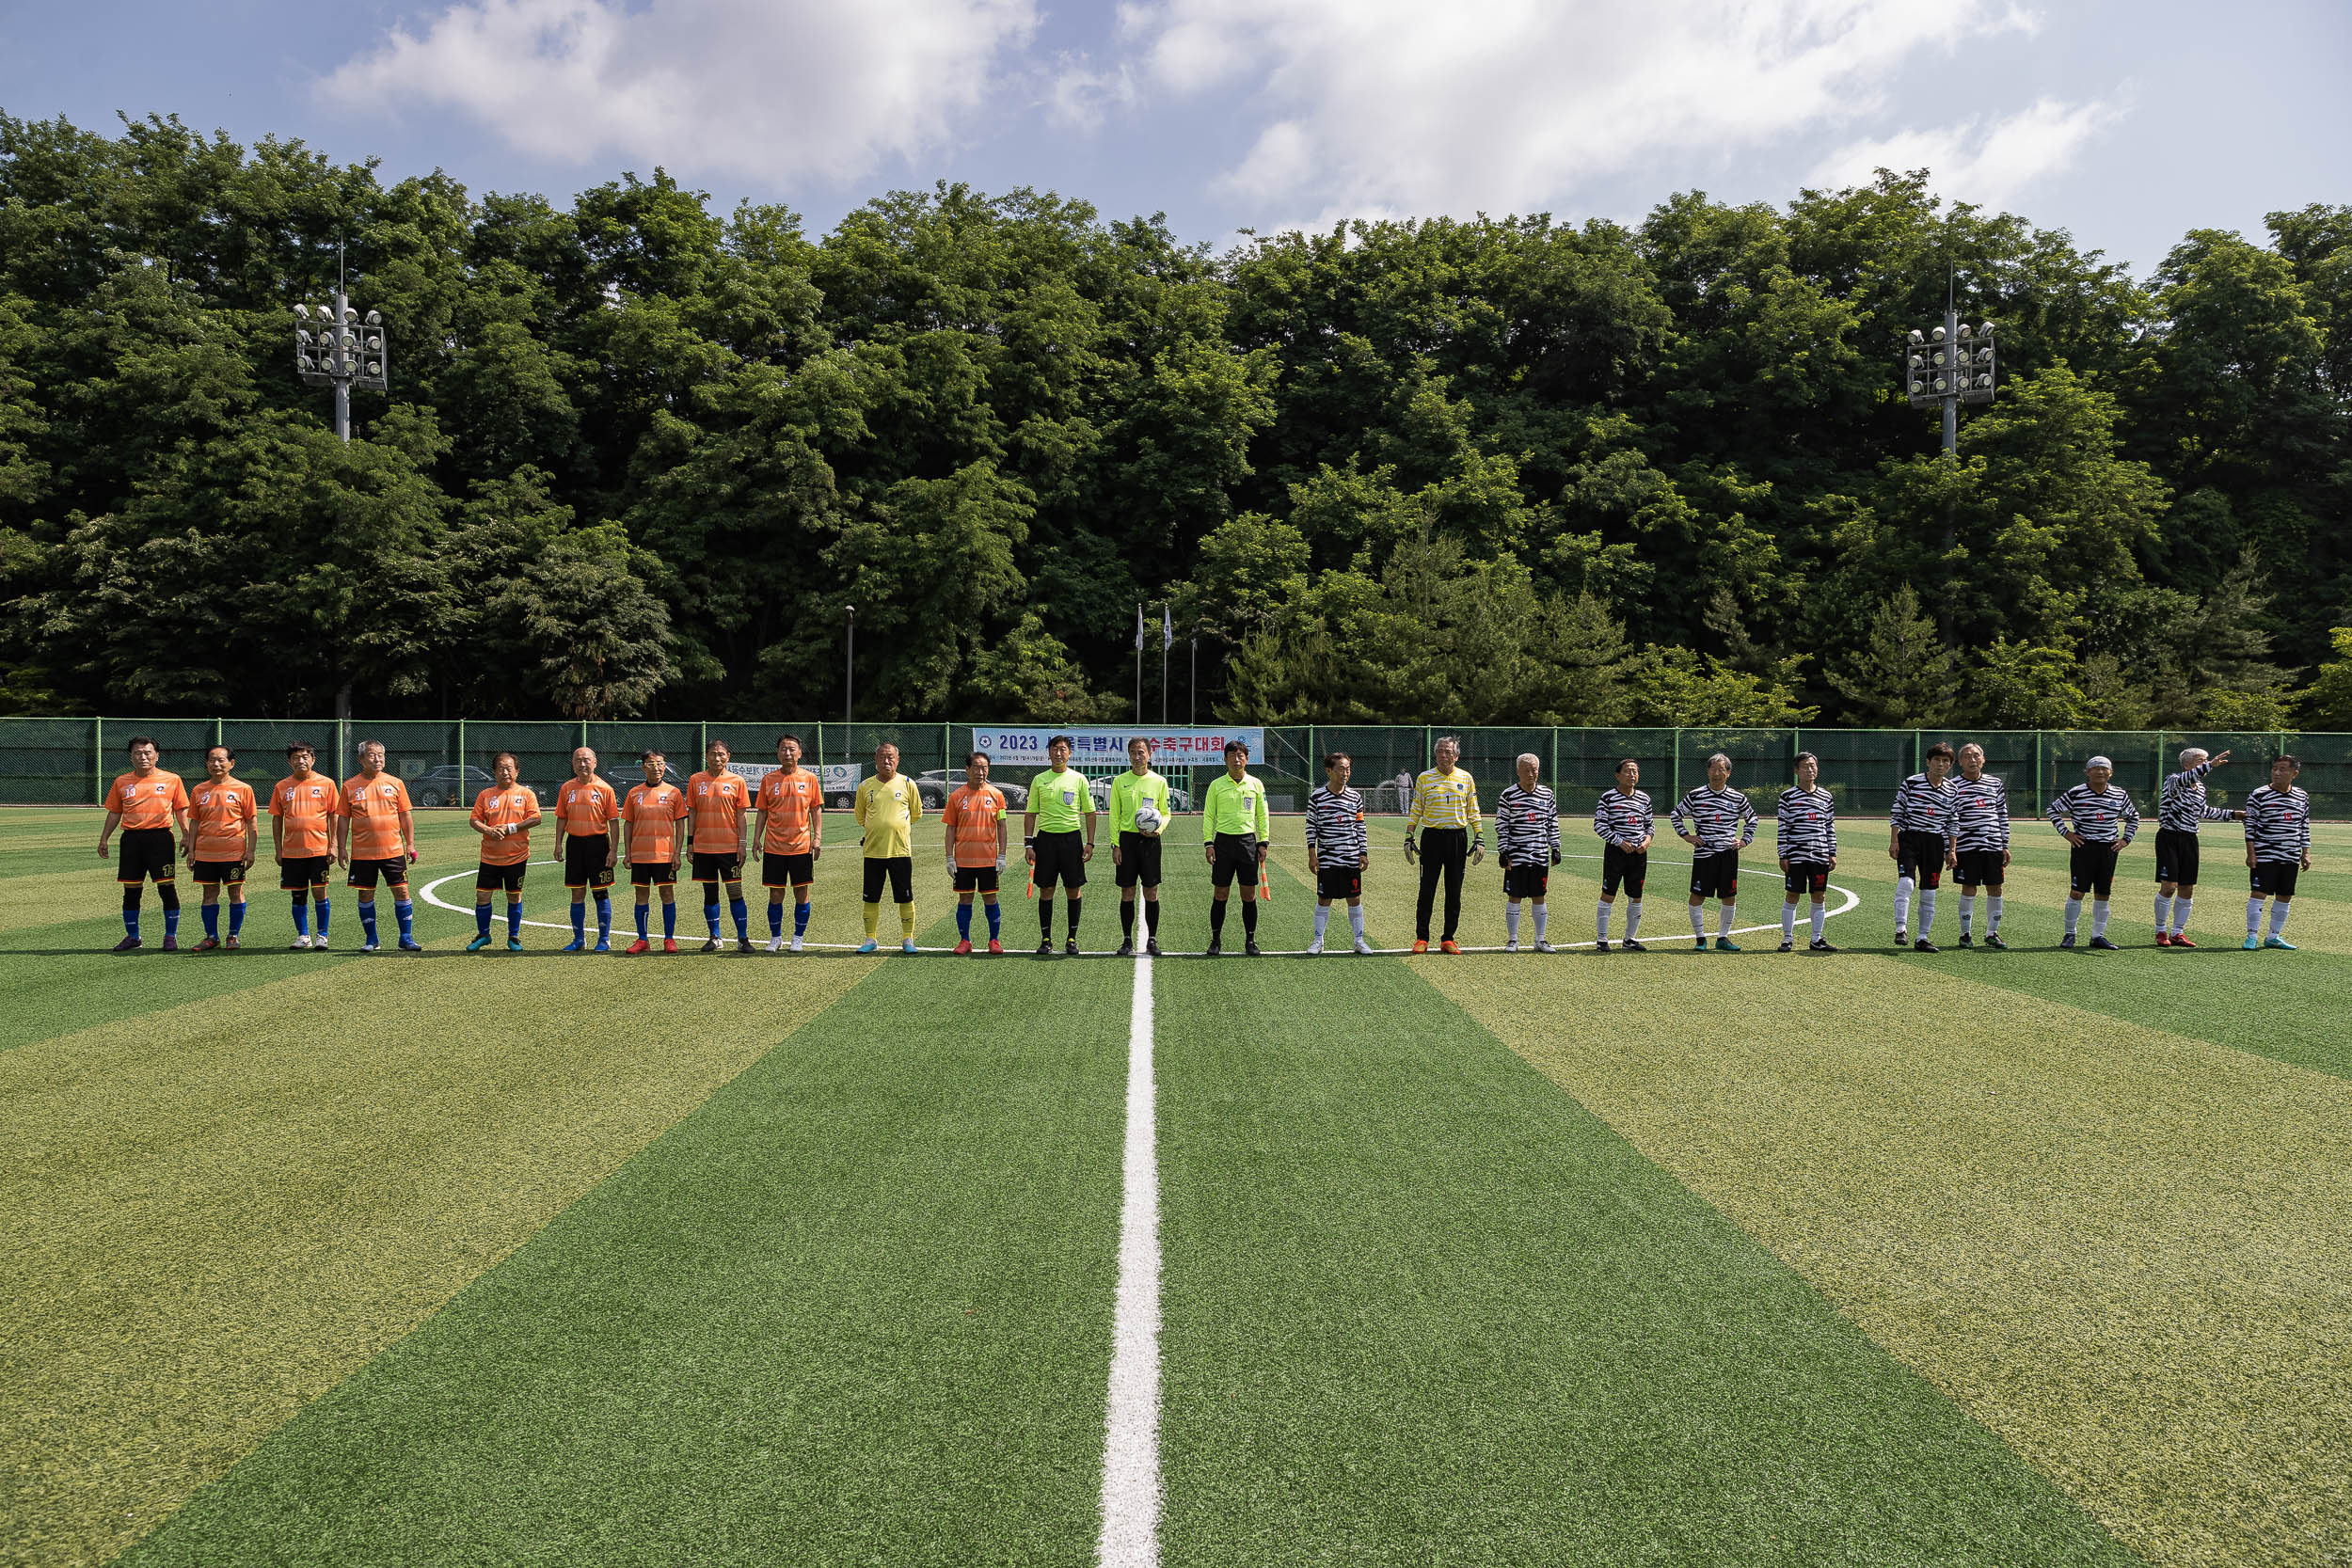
{"points": [[1940, 822]]}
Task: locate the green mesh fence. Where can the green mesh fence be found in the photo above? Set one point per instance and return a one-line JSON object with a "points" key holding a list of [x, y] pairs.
{"points": [[53, 762]]}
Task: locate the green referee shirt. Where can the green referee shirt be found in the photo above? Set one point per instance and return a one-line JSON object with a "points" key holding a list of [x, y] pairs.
{"points": [[1128, 791], [1059, 801], [1235, 808]]}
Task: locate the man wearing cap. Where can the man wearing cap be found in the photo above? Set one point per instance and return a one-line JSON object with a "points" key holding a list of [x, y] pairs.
{"points": [[2100, 821]]}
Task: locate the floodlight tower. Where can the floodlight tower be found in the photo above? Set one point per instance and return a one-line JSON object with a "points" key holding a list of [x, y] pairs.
{"points": [[334, 346], [1950, 365]]}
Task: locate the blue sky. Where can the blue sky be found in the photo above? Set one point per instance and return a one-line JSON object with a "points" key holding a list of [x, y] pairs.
{"points": [[2127, 123]]}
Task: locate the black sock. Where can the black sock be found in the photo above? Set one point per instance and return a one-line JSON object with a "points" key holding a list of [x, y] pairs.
{"points": [[1249, 917], [1127, 917], [169, 894], [1045, 917], [1151, 917], [1216, 918], [129, 898], [1072, 931]]}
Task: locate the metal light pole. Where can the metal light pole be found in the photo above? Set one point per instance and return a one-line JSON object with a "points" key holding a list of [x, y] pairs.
{"points": [[848, 671], [1944, 367], [335, 347]]}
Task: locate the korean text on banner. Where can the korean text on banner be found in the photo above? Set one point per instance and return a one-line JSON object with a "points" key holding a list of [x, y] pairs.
{"points": [[1172, 746]]}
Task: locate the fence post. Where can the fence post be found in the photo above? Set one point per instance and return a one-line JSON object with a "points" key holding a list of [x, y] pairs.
{"points": [[702, 743], [98, 761], [2041, 767], [459, 789], [2155, 780], [220, 732], [1555, 759], [1674, 769]]}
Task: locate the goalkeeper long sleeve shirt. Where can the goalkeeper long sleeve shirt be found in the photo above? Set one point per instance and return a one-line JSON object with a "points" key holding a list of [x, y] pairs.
{"points": [[1445, 800]]}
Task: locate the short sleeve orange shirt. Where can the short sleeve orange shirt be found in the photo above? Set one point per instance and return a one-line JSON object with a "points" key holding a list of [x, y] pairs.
{"points": [[719, 800], [222, 811], [653, 813], [971, 817], [309, 808], [586, 809], [374, 806], [146, 802], [790, 803], [516, 807]]}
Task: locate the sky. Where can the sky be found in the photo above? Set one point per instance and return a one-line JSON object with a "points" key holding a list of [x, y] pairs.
{"points": [[2126, 123]]}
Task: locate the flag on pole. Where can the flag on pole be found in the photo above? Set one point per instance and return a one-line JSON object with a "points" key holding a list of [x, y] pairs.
{"points": [[1138, 628], [1168, 629]]}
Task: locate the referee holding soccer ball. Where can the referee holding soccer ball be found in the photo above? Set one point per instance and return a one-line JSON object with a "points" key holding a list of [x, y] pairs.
{"points": [[1138, 810]]}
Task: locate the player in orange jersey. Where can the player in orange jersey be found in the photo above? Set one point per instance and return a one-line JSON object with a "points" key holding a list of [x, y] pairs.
{"points": [[790, 837], [590, 814], [503, 815], [650, 818], [974, 820], [149, 806], [377, 839], [302, 813], [719, 798], [221, 849]]}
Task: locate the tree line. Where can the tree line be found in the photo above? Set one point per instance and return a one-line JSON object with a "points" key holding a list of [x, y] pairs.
{"points": [[640, 457]]}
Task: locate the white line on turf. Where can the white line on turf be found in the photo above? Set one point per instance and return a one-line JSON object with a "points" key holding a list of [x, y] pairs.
{"points": [[1131, 1439]]}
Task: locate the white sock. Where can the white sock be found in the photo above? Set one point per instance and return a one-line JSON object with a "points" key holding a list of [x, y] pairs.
{"points": [[2098, 917], [1821, 915], [1632, 919], [1902, 903], [1323, 920], [1787, 922], [2164, 910], [1722, 920], [2180, 914], [1927, 911], [2073, 914], [1601, 920], [1698, 921], [1542, 918], [2253, 917], [1511, 921], [1991, 914], [2278, 917], [1356, 919], [1967, 912]]}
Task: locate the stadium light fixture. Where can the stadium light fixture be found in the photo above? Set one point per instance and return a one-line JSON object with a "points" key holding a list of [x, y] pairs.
{"points": [[1946, 366], [345, 352]]}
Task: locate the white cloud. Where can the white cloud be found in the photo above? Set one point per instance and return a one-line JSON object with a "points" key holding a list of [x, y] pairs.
{"points": [[1985, 162], [1510, 104], [773, 90]]}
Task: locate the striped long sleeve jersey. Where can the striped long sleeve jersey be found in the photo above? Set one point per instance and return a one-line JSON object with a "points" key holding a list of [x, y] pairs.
{"points": [[1922, 806], [2279, 823], [1809, 826], [1980, 814], [1720, 818], [1445, 800], [1624, 820], [1527, 826], [1335, 827], [2102, 819], [2182, 807]]}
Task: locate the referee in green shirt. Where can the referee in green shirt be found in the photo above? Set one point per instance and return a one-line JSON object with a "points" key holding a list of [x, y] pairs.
{"points": [[1135, 849], [1058, 802], [1233, 831]]}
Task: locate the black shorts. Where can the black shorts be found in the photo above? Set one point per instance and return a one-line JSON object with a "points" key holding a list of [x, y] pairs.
{"points": [[488, 878], [1236, 856], [2275, 877], [1980, 868], [392, 871], [975, 879], [726, 868], [787, 870], [1060, 857], [2176, 856], [297, 872], [899, 870], [145, 852], [209, 872], [1340, 882], [1526, 881], [2091, 868], [1139, 860], [653, 874], [1621, 866], [583, 859], [1920, 857], [1715, 876], [1807, 876]]}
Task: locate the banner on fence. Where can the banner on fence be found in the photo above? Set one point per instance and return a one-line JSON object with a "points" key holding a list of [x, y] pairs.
{"points": [[1177, 746]]}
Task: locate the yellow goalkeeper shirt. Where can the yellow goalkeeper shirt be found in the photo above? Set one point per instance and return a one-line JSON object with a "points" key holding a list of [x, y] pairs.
{"points": [[1444, 801]]}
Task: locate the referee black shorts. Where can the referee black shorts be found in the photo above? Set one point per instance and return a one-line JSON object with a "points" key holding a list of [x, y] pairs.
{"points": [[1236, 855], [1139, 860], [1062, 858]]}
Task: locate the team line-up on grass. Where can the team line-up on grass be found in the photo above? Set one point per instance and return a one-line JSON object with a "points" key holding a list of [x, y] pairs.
{"points": [[1950, 817]]}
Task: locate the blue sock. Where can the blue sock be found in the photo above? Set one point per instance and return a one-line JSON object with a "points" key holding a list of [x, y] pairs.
{"points": [[579, 920], [641, 923], [321, 913], [775, 920], [131, 922], [212, 920], [800, 920], [995, 920], [236, 917], [367, 922], [514, 920], [482, 919], [963, 921], [171, 923], [604, 917], [405, 913], [669, 921], [302, 915], [710, 916], [742, 913]]}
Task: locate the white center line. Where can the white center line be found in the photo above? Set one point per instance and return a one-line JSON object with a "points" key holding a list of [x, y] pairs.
{"points": [[1131, 1446]]}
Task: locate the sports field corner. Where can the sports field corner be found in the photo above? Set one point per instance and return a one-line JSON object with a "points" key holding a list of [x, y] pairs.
{"points": [[1869, 1257]]}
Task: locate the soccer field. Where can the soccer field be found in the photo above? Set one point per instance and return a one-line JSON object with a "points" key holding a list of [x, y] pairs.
{"points": [[1874, 1257]]}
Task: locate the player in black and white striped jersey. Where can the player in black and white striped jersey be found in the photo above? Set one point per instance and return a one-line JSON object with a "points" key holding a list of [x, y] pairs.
{"points": [[1807, 819], [1527, 841], [2181, 810], [1336, 849], [2278, 846], [1980, 845], [1625, 821], [2100, 821], [1720, 823], [1919, 842]]}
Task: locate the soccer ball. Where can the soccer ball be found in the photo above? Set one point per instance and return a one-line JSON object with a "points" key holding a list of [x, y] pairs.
{"points": [[1148, 819]]}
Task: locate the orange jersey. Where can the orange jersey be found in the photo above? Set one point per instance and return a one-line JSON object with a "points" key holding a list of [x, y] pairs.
{"points": [[790, 803], [586, 809], [374, 806], [223, 811], [719, 800], [308, 809], [146, 802], [516, 807], [970, 817], [653, 813]]}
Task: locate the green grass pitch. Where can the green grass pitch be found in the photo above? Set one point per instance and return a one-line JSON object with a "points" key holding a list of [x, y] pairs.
{"points": [[1876, 1257]]}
